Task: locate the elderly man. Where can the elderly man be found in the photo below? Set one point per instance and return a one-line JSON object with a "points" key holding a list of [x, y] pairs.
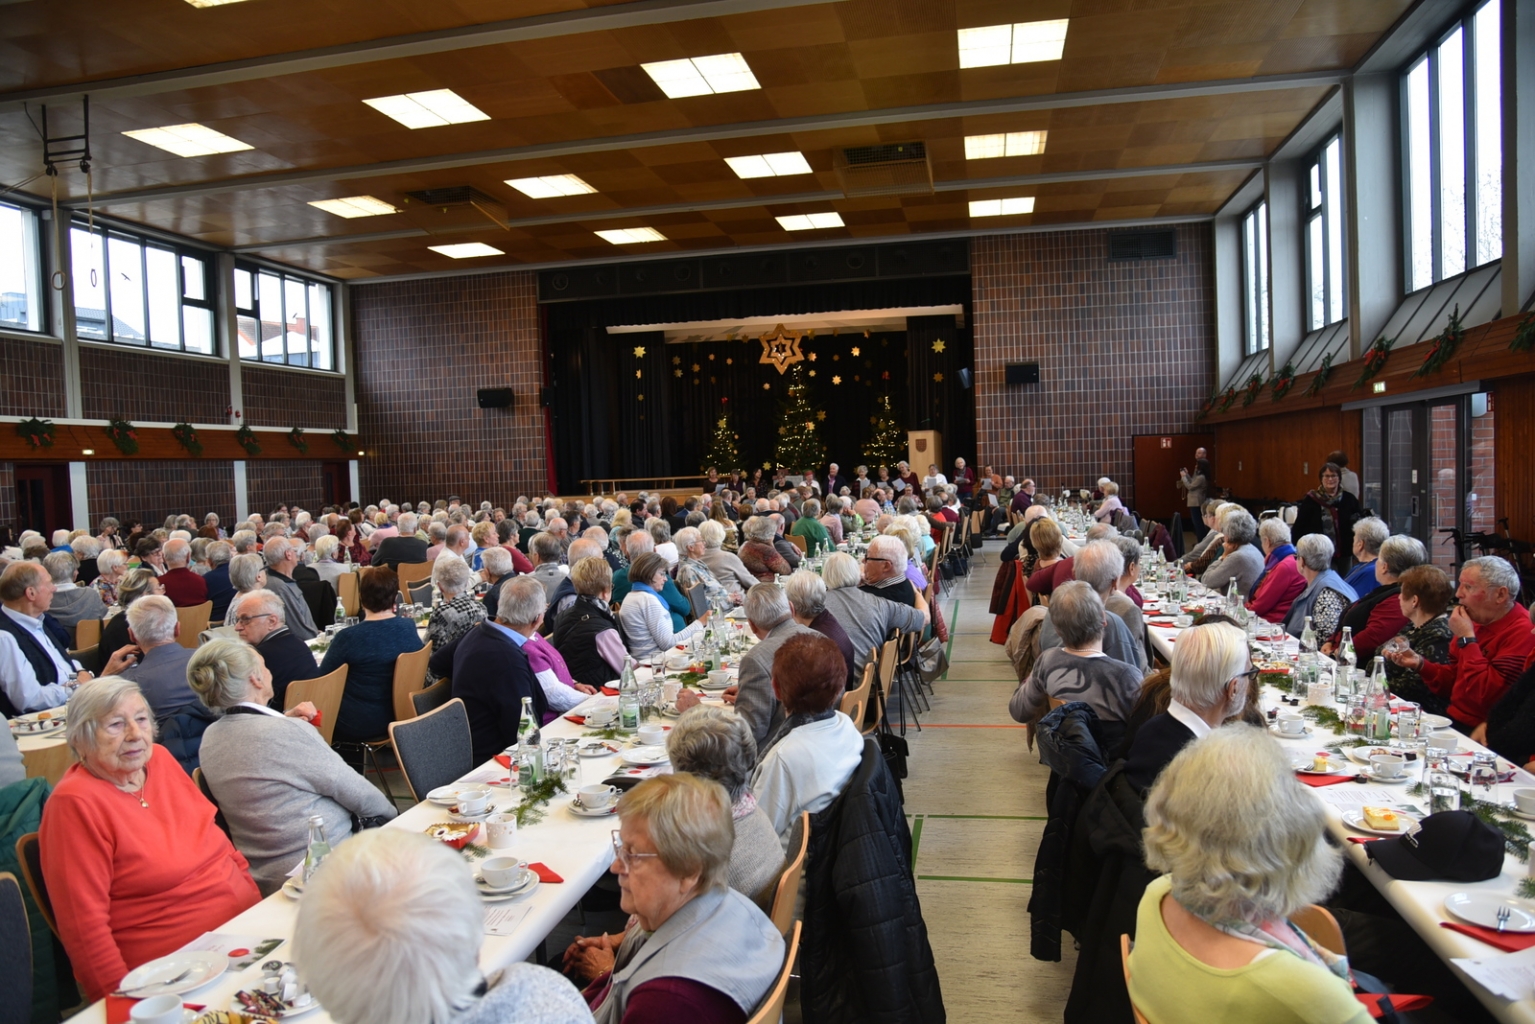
{"points": [[726, 566], [36, 671], [281, 556], [833, 481], [867, 620], [216, 579], [260, 619], [884, 572], [1370, 533], [496, 569], [1492, 642], [545, 552], [184, 587], [563, 594], [807, 601], [492, 673], [786, 548], [71, 602], [155, 660], [405, 547]]}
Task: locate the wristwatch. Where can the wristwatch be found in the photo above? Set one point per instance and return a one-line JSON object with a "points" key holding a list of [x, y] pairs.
{"points": [[1465, 641]]}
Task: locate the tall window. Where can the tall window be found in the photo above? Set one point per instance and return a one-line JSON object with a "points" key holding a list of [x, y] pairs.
{"points": [[134, 291], [1324, 234], [21, 279], [1255, 277], [283, 318], [1452, 98]]}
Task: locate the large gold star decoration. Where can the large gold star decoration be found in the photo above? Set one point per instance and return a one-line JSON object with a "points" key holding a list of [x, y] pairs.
{"points": [[836, 380], [939, 345], [639, 351], [780, 349], [676, 360], [676, 373]]}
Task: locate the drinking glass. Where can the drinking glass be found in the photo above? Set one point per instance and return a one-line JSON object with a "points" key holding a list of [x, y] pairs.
{"points": [[1357, 717], [1409, 722], [1444, 792], [1484, 773]]}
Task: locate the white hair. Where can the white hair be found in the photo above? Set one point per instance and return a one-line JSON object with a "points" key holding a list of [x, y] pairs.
{"points": [[1076, 612], [257, 602], [1314, 551], [891, 548], [450, 574], [92, 704], [85, 546], [326, 547], [806, 593], [497, 561], [1371, 532], [1400, 553], [407, 524], [110, 561], [153, 620], [1099, 565], [713, 533], [276, 550], [1276, 531], [687, 537], [766, 606], [1205, 659], [1495, 572], [522, 601], [840, 570]]}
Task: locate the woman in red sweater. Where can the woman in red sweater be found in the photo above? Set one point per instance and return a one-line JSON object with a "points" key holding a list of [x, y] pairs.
{"points": [[136, 867]]}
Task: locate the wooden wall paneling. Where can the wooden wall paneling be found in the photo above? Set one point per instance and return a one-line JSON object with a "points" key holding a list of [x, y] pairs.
{"points": [[71, 440], [1155, 473], [1514, 453], [1278, 457]]}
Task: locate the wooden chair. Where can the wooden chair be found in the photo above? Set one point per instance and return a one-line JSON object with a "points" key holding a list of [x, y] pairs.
{"points": [[50, 762], [346, 589], [786, 893], [90, 658], [409, 677], [1124, 961], [412, 572], [87, 633], [771, 1010], [193, 621], [30, 856], [15, 953], [434, 748], [433, 697], [1318, 922], [855, 702], [324, 693], [797, 541]]}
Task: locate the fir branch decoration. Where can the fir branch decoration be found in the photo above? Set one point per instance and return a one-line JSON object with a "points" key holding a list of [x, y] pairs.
{"points": [[1323, 375], [1283, 380], [187, 436], [1325, 718], [1205, 409], [247, 440], [122, 434], [474, 851], [610, 733], [37, 433], [1375, 360], [1526, 889], [1227, 398], [344, 441], [535, 795], [296, 439], [1251, 389], [1444, 346], [1524, 337]]}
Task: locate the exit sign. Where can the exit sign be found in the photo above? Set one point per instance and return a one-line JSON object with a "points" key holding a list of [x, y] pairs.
{"points": [[1167, 442]]}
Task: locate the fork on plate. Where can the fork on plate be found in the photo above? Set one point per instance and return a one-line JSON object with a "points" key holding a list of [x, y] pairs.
{"points": [[1504, 913]]}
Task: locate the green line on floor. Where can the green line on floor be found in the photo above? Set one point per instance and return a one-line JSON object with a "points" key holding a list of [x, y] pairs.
{"points": [[949, 654], [916, 840], [970, 878], [990, 817]]}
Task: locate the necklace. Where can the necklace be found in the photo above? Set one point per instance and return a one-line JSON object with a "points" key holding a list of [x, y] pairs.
{"points": [[137, 792]]}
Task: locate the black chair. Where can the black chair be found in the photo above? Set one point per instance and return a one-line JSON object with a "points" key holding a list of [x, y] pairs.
{"points": [[435, 748], [218, 812], [15, 954], [433, 697], [320, 596]]}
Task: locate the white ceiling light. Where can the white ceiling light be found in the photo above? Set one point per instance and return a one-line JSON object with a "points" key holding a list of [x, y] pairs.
{"points": [[188, 140], [985, 147], [768, 165], [550, 185], [1001, 207], [466, 250], [810, 222], [428, 109], [629, 236], [700, 76], [1021, 43], [213, 3], [354, 206]]}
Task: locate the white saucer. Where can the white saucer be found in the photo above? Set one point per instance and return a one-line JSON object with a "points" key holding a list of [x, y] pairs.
{"points": [[1281, 734], [608, 748], [646, 756], [586, 812], [487, 896], [200, 966], [1404, 777], [467, 818], [486, 889]]}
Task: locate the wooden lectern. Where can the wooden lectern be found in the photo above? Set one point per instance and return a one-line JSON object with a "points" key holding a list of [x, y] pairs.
{"points": [[923, 448]]}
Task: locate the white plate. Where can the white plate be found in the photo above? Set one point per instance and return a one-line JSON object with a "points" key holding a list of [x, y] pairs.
{"points": [[486, 889], [644, 756], [1304, 732], [32, 725], [1436, 722], [287, 1014], [1361, 755], [1404, 777], [1302, 764], [200, 965], [1354, 819], [580, 811], [293, 888], [598, 748], [1482, 908], [466, 818], [447, 796], [497, 897]]}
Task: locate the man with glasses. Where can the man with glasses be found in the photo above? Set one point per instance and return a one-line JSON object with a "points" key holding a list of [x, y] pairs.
{"points": [[260, 619], [884, 572]]}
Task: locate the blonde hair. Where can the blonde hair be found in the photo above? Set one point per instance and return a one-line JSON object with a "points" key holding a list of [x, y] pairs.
{"points": [[1046, 537], [220, 672], [689, 821]]}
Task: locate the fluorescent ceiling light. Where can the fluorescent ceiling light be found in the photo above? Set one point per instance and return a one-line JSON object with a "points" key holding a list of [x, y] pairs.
{"points": [[700, 76], [354, 206], [985, 147], [810, 222], [550, 185], [466, 250], [213, 3], [188, 140], [428, 109], [1021, 43], [629, 236], [768, 165], [1001, 207]]}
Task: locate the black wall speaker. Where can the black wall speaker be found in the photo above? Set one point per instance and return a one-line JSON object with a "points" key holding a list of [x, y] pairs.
{"points": [[964, 379], [1023, 373], [495, 398]]}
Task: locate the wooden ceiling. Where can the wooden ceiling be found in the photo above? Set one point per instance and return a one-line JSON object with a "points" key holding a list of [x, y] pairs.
{"points": [[1158, 108]]}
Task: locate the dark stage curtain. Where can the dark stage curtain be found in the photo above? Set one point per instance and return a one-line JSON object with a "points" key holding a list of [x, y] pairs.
{"points": [[936, 396]]}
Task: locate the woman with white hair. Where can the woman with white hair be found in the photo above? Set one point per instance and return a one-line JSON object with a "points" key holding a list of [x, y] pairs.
{"points": [[1280, 583], [727, 568], [1377, 616], [328, 555], [1239, 560], [693, 572], [1078, 669], [423, 967], [1370, 533], [758, 554], [1327, 595], [1110, 503], [1243, 846], [71, 602], [457, 611], [808, 526], [111, 567], [909, 532]]}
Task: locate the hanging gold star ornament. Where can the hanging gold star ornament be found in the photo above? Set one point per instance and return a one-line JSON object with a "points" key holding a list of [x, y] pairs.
{"points": [[639, 351], [728, 362], [780, 349], [811, 357], [676, 373], [938, 377], [767, 387], [676, 360], [939, 345], [723, 423], [821, 415], [696, 367], [812, 373], [855, 350], [836, 380]]}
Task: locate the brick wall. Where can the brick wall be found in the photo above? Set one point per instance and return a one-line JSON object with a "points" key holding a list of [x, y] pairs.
{"points": [[150, 491], [1483, 515], [132, 385], [31, 378], [287, 398], [7, 494], [1123, 349], [422, 350], [274, 483]]}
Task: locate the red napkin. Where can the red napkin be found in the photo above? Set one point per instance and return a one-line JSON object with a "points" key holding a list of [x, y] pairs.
{"points": [[608, 691], [1399, 1003], [577, 719], [1508, 942], [315, 721], [504, 760], [1323, 780], [544, 873]]}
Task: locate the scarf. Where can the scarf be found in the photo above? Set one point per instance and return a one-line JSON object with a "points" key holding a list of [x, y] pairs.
{"points": [[1281, 935], [792, 722], [1279, 554], [646, 588], [1330, 510]]}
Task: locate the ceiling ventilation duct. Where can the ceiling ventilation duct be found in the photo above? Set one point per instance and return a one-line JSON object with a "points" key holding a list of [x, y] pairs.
{"points": [[447, 211], [897, 168]]}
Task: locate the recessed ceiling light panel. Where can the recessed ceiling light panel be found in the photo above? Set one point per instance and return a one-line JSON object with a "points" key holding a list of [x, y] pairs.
{"points": [[1021, 43], [985, 147], [630, 236], [188, 140], [213, 3], [550, 185], [1001, 207], [769, 165], [354, 206], [700, 76], [810, 222], [430, 109], [466, 250]]}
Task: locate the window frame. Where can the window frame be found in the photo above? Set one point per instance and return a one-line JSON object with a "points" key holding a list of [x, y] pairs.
{"points": [[253, 311], [1257, 324], [179, 253], [34, 236], [1332, 215]]}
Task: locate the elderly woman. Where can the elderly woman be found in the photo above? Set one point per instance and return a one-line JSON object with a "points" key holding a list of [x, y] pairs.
{"points": [[588, 637], [1327, 595], [1370, 533], [349, 538], [370, 649], [1209, 530], [1328, 509], [136, 866], [457, 610], [424, 966], [136, 584], [758, 554], [1050, 569], [1130, 549], [149, 552], [645, 617], [1213, 940], [672, 855], [111, 567], [1239, 560], [693, 572], [1110, 503], [1377, 616], [107, 533], [270, 771], [727, 568], [1423, 595], [808, 526], [1280, 583], [832, 519], [327, 559], [908, 530]]}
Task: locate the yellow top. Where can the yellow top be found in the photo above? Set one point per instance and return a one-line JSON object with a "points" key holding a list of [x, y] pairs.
{"points": [[1169, 986]]}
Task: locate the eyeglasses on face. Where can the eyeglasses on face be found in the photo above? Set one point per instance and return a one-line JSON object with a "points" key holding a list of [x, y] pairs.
{"points": [[624, 855], [244, 620]]}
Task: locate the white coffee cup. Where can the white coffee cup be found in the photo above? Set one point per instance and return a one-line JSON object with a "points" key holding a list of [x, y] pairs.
{"points": [[501, 872], [164, 1009], [1447, 739], [1291, 724], [1388, 766], [600, 718], [651, 735], [501, 831], [595, 798], [473, 801], [719, 677], [1524, 799], [669, 691]]}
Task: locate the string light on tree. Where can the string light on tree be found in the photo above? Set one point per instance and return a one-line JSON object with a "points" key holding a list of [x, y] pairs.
{"points": [[799, 445], [887, 443]]}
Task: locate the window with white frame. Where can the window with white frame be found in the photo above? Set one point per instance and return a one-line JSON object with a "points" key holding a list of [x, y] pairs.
{"points": [[137, 291], [1323, 207], [1453, 151], [1255, 278], [21, 277], [283, 318]]}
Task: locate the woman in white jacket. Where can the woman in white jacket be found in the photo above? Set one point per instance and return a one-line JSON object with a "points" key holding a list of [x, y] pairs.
{"points": [[645, 617]]}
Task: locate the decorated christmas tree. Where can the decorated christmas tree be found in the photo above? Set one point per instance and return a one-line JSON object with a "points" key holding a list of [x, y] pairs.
{"points": [[799, 443], [722, 453], [887, 443]]}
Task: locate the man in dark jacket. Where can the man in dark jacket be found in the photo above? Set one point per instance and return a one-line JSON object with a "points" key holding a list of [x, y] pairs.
{"points": [[490, 672], [407, 547], [259, 618]]}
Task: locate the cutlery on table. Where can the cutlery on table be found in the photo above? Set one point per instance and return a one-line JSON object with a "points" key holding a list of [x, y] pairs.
{"points": [[1503, 915], [178, 979]]}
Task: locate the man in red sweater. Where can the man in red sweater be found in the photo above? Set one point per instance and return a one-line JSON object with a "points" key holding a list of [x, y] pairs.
{"points": [[184, 587], [1492, 641]]}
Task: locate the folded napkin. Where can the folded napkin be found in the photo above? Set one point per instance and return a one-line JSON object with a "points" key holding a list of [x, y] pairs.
{"points": [[504, 760], [1318, 781], [608, 691], [577, 719], [544, 873], [1508, 942]]}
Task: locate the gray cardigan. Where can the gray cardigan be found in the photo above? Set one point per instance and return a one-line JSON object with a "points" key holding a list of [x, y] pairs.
{"points": [[1244, 565], [268, 775], [756, 858], [526, 994]]}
